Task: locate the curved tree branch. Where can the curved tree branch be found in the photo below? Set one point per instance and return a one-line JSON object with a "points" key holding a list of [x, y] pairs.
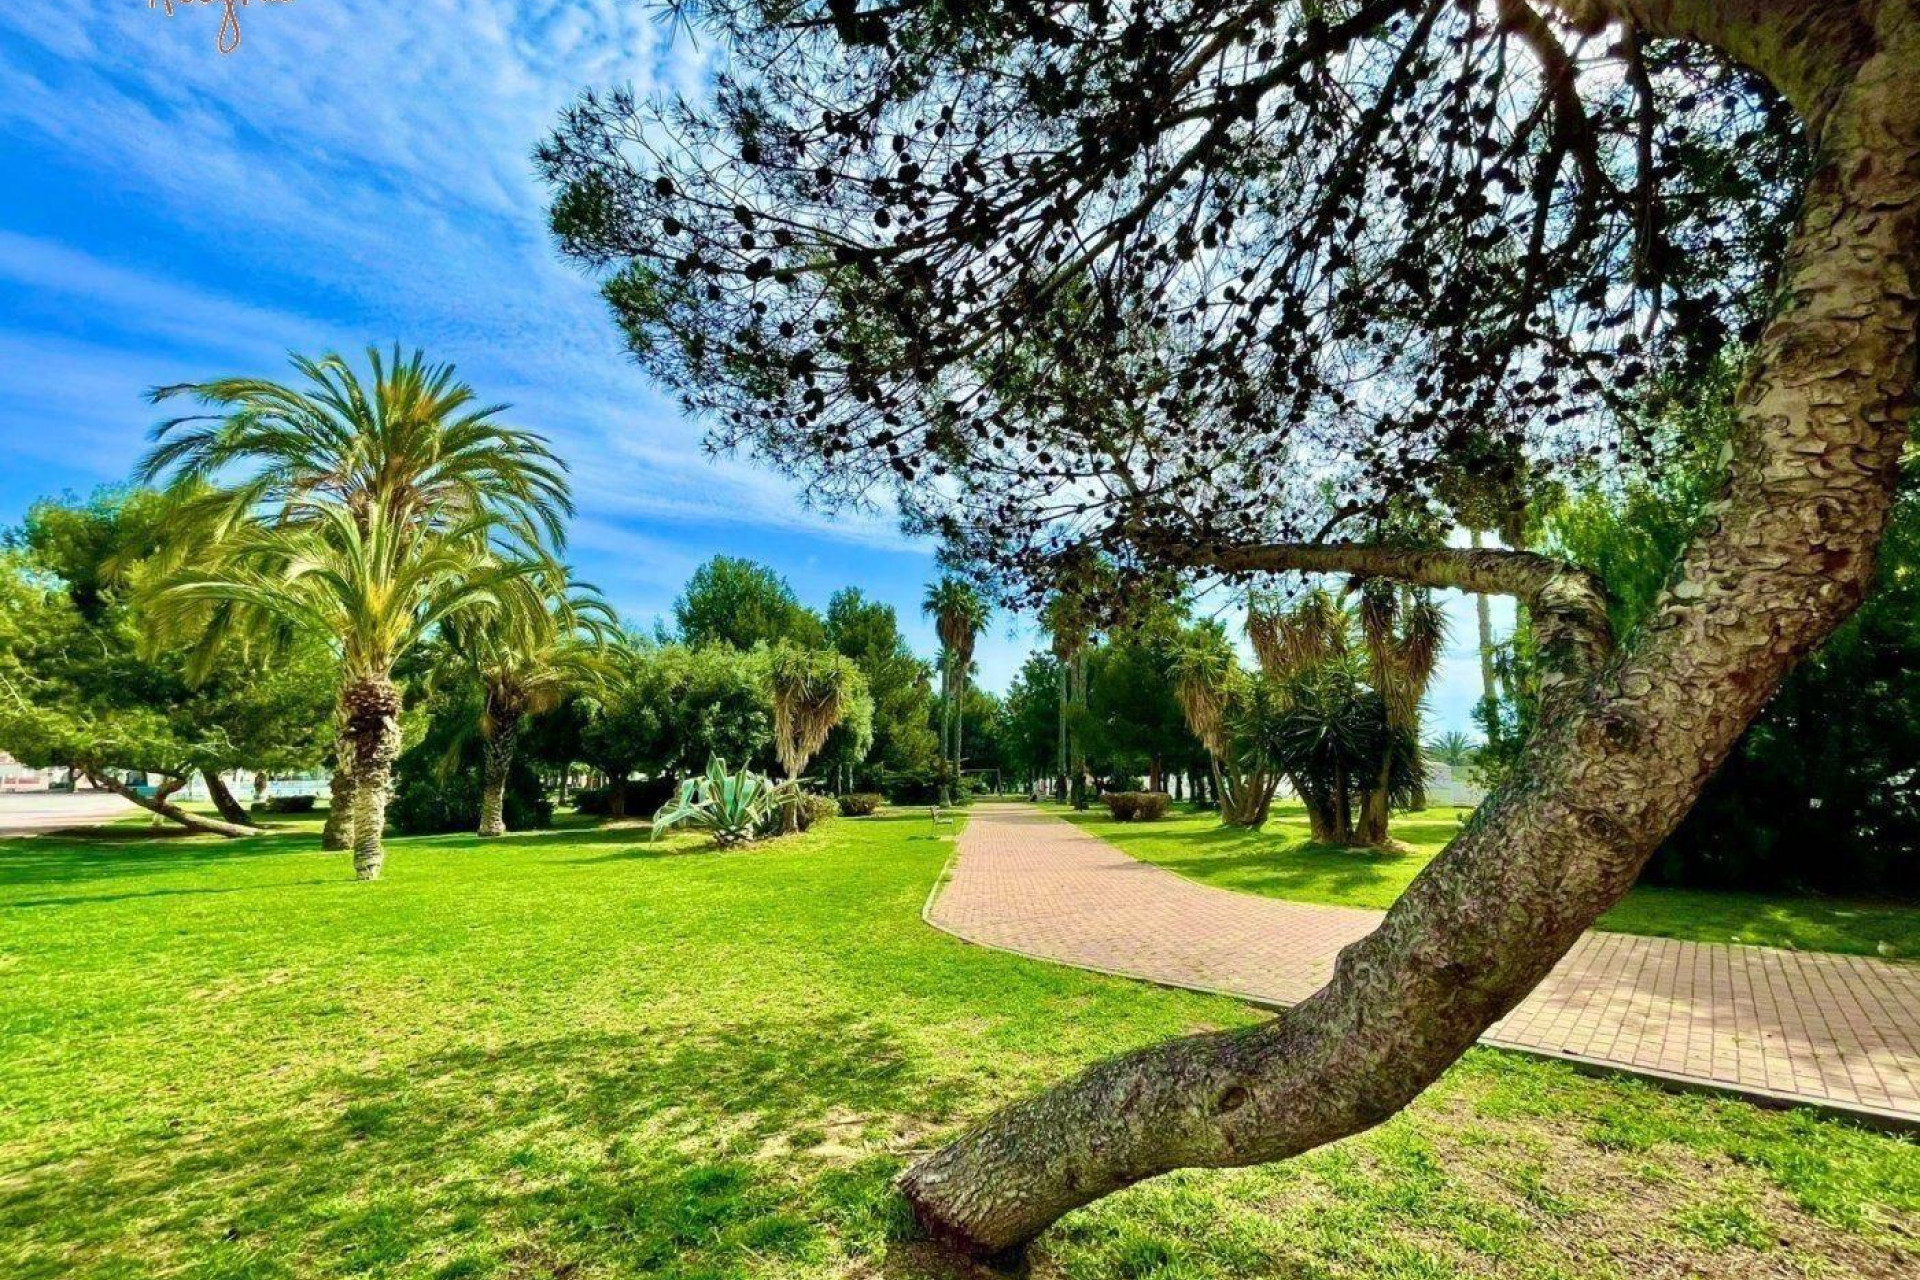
{"points": [[1821, 421], [165, 808]]}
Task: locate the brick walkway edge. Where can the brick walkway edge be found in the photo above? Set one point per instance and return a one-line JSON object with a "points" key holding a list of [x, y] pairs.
{"points": [[1781, 1027]]}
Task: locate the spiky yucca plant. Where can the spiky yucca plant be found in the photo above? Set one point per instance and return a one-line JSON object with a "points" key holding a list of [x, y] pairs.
{"points": [[735, 807]]}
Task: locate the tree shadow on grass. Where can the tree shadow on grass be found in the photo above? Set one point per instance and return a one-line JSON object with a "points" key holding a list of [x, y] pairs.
{"points": [[89, 899], [673, 1151], [1266, 862], [87, 853]]}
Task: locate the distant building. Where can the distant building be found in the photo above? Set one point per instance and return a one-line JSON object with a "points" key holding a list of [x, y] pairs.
{"points": [[15, 776]]}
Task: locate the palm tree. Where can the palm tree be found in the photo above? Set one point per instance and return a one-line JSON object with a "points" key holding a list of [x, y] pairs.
{"points": [[811, 693], [1225, 709], [409, 440], [1065, 622], [1452, 747], [377, 588], [359, 474], [545, 642], [1404, 632], [959, 615]]}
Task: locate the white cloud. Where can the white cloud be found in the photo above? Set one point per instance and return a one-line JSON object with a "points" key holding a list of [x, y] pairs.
{"points": [[370, 163]]}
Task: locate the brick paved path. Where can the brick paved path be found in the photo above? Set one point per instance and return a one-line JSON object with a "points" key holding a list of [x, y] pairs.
{"points": [[1836, 1031]]}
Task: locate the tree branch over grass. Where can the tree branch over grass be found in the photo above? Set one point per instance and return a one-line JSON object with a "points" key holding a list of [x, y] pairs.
{"points": [[947, 252]]}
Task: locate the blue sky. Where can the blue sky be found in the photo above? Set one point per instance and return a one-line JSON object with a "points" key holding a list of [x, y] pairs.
{"points": [[359, 172]]}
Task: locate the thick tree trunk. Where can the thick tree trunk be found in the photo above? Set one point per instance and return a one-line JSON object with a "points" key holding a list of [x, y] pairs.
{"points": [[372, 707], [497, 762], [337, 834], [223, 799], [1376, 812], [160, 806], [1822, 419]]}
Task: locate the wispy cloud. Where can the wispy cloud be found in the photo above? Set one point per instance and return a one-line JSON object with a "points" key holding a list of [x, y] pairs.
{"points": [[367, 168]]}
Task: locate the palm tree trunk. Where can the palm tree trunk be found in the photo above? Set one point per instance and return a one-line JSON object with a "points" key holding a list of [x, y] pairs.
{"points": [[161, 807], [372, 706], [337, 835], [959, 727], [223, 799], [1483, 615], [497, 763]]}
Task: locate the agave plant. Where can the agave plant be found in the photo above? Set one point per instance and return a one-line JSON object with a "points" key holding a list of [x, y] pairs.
{"points": [[735, 807]]}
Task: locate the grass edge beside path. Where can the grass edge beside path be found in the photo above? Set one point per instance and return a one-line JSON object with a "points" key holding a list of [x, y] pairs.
{"points": [[1279, 861]]}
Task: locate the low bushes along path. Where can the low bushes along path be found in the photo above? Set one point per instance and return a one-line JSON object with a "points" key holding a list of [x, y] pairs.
{"points": [[1841, 1032]]}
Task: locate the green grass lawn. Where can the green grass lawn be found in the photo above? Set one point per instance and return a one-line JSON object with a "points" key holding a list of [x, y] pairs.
{"points": [[1281, 862], [573, 1054]]}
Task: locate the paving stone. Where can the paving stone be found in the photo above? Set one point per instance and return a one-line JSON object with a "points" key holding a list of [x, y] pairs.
{"points": [[1836, 1031]]}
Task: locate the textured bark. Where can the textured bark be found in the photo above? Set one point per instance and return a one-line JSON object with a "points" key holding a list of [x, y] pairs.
{"points": [[223, 799], [372, 709], [1822, 417], [497, 762], [337, 834], [160, 806]]}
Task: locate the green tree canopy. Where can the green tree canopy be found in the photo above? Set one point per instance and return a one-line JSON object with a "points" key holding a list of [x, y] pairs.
{"points": [[744, 604], [84, 683], [899, 683]]}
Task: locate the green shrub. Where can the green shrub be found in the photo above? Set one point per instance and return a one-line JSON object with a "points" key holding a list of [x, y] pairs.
{"points": [[644, 795], [290, 804], [916, 786], [1137, 806], [860, 804], [735, 807], [817, 811]]}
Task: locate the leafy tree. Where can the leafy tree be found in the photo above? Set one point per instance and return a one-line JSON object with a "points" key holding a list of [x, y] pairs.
{"points": [[740, 603], [624, 726], [665, 710], [983, 724], [1220, 290], [1817, 793], [364, 511], [82, 684], [868, 632], [1134, 721], [1033, 717]]}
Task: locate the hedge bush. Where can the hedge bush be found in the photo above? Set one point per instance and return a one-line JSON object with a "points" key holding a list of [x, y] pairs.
{"points": [[860, 804], [644, 797], [1137, 806], [816, 811]]}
